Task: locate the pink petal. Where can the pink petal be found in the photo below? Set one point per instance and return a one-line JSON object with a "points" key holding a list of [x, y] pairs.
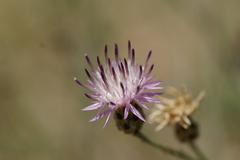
{"points": [[144, 106], [153, 83], [93, 107], [126, 111], [150, 94], [100, 115], [107, 120], [152, 100], [152, 87], [136, 113], [148, 99]]}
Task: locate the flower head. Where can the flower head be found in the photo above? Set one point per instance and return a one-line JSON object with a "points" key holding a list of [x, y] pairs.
{"points": [[175, 109], [118, 83]]}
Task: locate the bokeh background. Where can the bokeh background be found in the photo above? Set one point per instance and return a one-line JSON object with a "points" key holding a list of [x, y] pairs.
{"points": [[42, 44]]}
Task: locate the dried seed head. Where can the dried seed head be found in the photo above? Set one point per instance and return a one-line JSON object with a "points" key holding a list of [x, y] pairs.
{"points": [[175, 108]]}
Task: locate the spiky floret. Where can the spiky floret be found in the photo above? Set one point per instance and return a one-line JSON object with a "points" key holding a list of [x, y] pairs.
{"points": [[118, 83]]}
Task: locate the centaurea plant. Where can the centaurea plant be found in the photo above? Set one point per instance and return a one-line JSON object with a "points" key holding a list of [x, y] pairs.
{"points": [[123, 88]]}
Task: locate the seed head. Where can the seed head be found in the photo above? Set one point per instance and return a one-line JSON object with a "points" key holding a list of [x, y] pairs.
{"points": [[175, 109]]}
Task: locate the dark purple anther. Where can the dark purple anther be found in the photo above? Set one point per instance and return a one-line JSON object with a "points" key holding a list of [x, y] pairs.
{"points": [[148, 57], [116, 52], [123, 90], [150, 70], [140, 71], [89, 96], [114, 74], [133, 56], [126, 66], [129, 49], [109, 64], [98, 62], [89, 75], [89, 61]]}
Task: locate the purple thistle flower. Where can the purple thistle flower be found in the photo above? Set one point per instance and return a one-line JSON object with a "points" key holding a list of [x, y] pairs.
{"points": [[118, 83]]}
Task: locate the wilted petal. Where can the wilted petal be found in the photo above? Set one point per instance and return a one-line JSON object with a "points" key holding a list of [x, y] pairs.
{"points": [[161, 125], [155, 115], [200, 96], [187, 120]]}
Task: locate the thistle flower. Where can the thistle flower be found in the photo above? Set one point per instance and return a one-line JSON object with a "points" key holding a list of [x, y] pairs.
{"points": [[175, 109], [119, 83]]}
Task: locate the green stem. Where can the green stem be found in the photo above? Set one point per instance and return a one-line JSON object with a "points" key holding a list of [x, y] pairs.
{"points": [[180, 154], [197, 151]]}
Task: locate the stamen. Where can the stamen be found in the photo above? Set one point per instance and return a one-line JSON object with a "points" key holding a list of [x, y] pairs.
{"points": [[109, 64], [123, 90], [119, 67], [89, 75], [123, 70], [126, 66], [90, 97], [98, 62], [104, 79], [148, 57], [129, 49], [112, 103], [133, 56], [138, 89], [116, 53], [103, 76], [150, 70], [89, 61], [140, 71], [79, 83], [114, 74]]}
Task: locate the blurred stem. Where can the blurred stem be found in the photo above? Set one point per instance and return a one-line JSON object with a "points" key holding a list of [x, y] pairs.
{"points": [[180, 154], [197, 151]]}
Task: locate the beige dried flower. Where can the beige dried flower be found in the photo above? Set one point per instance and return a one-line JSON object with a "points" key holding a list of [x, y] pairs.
{"points": [[176, 107]]}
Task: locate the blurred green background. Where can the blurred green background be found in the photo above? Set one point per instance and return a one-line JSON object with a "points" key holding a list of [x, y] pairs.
{"points": [[42, 44]]}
